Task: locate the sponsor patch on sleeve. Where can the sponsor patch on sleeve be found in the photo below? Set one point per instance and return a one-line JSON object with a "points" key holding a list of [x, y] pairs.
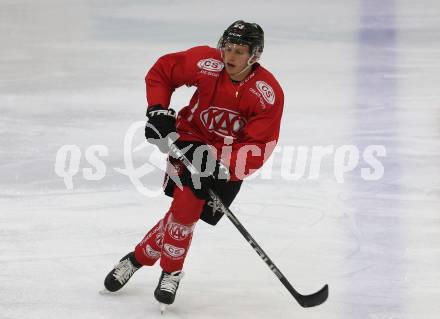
{"points": [[266, 91], [211, 65]]}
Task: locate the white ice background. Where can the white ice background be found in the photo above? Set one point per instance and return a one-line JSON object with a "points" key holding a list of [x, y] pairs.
{"points": [[354, 73]]}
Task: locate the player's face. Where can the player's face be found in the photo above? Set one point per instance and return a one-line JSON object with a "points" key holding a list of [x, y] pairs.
{"points": [[235, 57]]}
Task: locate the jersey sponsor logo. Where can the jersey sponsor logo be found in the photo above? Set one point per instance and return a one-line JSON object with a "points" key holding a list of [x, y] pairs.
{"points": [[266, 91], [210, 64], [179, 231], [150, 252], [173, 251], [222, 121]]}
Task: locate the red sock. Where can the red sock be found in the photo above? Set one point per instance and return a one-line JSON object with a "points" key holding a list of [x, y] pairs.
{"points": [[178, 230], [171, 237], [147, 252], [176, 241]]}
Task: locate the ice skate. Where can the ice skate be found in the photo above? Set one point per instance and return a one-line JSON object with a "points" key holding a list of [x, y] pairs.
{"points": [[120, 274], [166, 289], [163, 308]]}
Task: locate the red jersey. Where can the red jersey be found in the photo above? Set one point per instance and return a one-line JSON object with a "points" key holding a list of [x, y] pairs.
{"points": [[247, 113]]}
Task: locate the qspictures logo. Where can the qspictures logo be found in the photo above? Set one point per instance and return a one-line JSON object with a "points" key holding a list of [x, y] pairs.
{"points": [[293, 162]]}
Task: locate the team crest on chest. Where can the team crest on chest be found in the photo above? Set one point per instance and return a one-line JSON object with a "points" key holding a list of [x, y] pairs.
{"points": [[222, 121]]}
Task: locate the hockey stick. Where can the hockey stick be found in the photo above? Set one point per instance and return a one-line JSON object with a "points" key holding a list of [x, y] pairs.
{"points": [[305, 301]]}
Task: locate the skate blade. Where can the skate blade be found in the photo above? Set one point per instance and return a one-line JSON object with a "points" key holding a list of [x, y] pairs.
{"points": [[105, 292], [163, 308]]}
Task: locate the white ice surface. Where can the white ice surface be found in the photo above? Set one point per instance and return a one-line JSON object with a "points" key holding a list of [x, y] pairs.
{"points": [[71, 73]]}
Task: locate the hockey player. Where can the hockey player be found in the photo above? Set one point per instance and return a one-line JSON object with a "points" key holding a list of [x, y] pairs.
{"points": [[231, 125]]}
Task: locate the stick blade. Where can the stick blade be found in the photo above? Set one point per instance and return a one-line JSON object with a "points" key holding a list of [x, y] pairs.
{"points": [[313, 300]]}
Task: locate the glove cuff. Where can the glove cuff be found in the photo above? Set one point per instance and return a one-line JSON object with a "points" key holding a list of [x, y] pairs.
{"points": [[158, 110]]}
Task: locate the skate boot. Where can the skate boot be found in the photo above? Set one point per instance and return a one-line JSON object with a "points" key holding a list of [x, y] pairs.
{"points": [[121, 273], [167, 287]]}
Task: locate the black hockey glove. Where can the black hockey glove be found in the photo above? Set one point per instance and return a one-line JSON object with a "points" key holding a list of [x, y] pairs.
{"points": [[201, 183], [161, 122]]}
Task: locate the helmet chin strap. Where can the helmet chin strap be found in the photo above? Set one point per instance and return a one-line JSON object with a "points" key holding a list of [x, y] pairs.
{"points": [[249, 64]]}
